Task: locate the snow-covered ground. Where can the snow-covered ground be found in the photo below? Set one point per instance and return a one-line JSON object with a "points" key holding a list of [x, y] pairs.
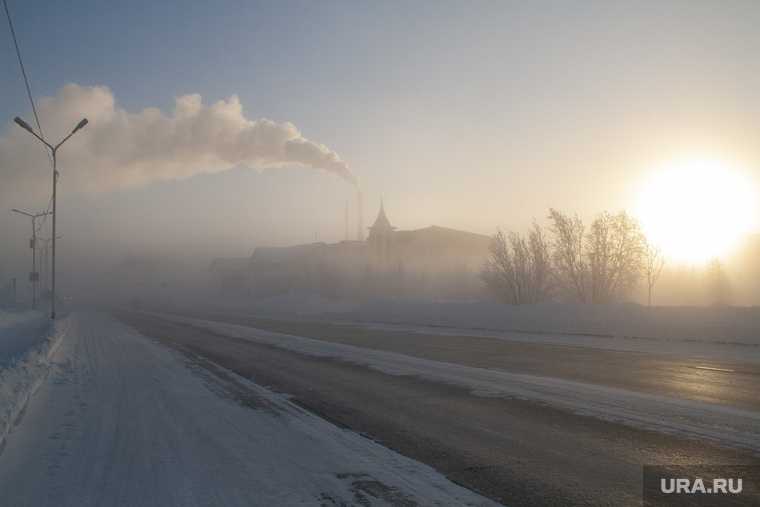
{"points": [[27, 340], [123, 421], [19, 332], [724, 425], [731, 333]]}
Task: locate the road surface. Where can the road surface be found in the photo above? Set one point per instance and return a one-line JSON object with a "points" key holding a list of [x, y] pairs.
{"points": [[709, 379], [523, 424]]}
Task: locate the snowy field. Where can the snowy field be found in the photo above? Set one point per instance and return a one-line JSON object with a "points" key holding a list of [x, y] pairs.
{"points": [[734, 325], [709, 332], [124, 421], [724, 425]]}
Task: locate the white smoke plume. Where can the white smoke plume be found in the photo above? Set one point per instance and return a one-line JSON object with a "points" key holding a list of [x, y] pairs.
{"points": [[119, 148]]}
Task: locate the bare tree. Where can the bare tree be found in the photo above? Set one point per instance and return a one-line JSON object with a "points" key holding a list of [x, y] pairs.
{"points": [[518, 269], [654, 261], [570, 267], [541, 265], [615, 246], [598, 265], [718, 284], [499, 270]]}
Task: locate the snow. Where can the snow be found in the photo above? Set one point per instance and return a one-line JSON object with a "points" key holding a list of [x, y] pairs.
{"points": [[20, 331], [27, 339], [723, 325], [123, 421], [721, 424]]}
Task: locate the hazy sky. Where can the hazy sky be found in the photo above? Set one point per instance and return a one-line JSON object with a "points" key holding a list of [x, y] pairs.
{"points": [[465, 114]]}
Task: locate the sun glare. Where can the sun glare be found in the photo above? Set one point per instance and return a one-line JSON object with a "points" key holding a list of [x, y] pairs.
{"points": [[696, 210]]}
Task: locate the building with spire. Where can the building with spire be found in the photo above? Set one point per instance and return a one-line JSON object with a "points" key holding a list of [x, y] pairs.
{"points": [[381, 236], [432, 261]]}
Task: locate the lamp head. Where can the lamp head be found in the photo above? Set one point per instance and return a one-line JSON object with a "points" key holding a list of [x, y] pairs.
{"points": [[80, 125], [24, 125]]}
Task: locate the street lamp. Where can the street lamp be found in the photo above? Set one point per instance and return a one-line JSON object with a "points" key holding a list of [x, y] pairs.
{"points": [[54, 150], [44, 260], [34, 276]]}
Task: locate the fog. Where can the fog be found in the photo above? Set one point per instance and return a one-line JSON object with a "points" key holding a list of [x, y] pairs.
{"points": [[208, 147], [112, 202]]}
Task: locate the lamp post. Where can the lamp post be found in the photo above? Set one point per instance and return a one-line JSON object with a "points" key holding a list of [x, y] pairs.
{"points": [[34, 276], [44, 259], [54, 150]]}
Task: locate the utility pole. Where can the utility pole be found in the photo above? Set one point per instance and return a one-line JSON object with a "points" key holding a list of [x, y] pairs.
{"points": [[34, 276], [54, 151], [345, 235], [44, 260]]}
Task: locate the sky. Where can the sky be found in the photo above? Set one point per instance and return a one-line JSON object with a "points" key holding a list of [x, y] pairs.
{"points": [[473, 115]]}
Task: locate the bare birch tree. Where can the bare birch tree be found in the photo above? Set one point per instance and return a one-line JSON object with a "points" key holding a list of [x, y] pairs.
{"points": [[654, 261], [518, 269], [718, 284], [600, 264], [616, 248], [567, 244]]}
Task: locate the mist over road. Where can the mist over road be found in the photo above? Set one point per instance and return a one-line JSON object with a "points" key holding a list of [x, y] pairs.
{"points": [[517, 451]]}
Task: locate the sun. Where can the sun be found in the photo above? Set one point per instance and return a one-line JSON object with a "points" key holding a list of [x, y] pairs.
{"points": [[696, 210]]}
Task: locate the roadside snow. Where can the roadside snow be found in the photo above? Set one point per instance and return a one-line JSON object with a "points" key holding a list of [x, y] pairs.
{"points": [[27, 340], [729, 324], [19, 332], [710, 332], [124, 421], [721, 424]]}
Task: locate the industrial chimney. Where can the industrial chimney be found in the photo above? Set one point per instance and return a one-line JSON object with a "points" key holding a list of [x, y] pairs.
{"points": [[359, 216]]}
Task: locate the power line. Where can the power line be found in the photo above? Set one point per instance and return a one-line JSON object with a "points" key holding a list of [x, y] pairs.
{"points": [[29, 95], [23, 69]]}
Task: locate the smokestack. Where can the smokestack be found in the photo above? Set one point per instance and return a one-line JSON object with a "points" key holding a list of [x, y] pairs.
{"points": [[346, 222], [359, 216]]}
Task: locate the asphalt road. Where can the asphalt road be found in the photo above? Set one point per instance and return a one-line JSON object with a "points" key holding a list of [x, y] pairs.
{"points": [[718, 381], [514, 451]]}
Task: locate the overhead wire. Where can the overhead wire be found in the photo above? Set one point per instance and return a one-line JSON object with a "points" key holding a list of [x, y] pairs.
{"points": [[30, 96]]}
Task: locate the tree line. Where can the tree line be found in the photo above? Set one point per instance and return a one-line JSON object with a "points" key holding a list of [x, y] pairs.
{"points": [[596, 263]]}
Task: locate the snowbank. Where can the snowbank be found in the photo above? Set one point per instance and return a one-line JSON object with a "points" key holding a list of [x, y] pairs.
{"points": [[27, 342], [20, 331], [731, 325]]}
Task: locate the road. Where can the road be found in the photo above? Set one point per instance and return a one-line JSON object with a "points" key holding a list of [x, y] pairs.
{"points": [[411, 393], [123, 421], [726, 382]]}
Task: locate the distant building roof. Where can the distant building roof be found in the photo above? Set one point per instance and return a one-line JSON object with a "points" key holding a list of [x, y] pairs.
{"points": [[422, 245], [442, 240], [227, 265]]}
